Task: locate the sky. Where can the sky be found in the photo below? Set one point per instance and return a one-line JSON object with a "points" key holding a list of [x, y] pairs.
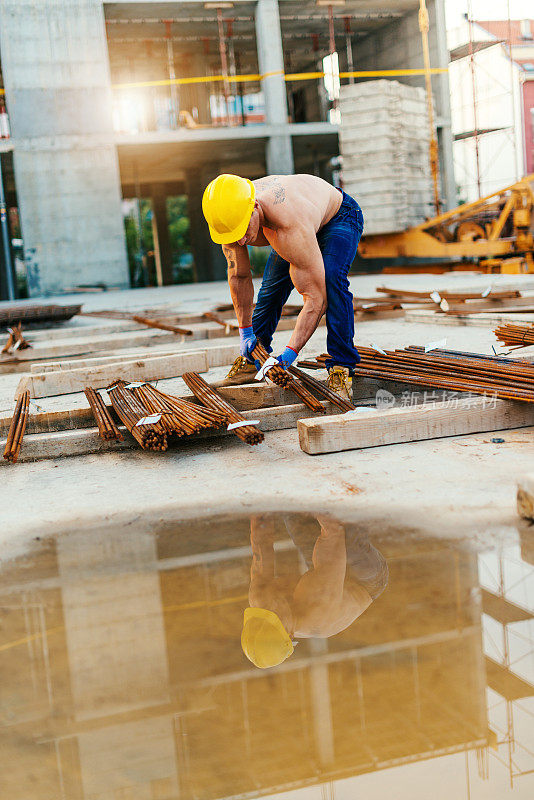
{"points": [[491, 9]]}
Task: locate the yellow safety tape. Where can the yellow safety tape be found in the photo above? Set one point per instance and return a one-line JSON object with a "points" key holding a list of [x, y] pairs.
{"points": [[27, 639], [290, 76], [223, 601]]}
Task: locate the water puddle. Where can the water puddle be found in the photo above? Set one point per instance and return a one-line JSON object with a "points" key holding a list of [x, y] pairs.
{"points": [[287, 655]]}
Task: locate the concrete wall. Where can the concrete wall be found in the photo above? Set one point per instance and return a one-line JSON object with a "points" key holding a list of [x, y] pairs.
{"points": [[56, 74], [398, 46]]}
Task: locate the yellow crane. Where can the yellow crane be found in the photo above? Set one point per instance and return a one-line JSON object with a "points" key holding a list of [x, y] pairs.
{"points": [[494, 232]]}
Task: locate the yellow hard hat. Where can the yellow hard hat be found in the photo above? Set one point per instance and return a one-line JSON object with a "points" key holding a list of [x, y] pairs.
{"points": [[228, 203], [264, 639]]}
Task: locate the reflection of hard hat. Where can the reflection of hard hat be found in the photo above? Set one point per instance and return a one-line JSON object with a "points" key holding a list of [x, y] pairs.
{"points": [[264, 639], [228, 203]]}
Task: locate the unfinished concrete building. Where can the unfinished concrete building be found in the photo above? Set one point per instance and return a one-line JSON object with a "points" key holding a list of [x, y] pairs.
{"points": [[111, 101]]}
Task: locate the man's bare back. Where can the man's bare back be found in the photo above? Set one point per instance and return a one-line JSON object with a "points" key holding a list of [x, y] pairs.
{"points": [[289, 210], [307, 196]]}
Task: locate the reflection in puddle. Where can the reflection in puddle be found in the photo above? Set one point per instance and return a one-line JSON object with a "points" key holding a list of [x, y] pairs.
{"points": [[343, 574], [123, 675]]}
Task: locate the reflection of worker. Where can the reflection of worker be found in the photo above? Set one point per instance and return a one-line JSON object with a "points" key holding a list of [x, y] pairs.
{"points": [[313, 230], [345, 574]]}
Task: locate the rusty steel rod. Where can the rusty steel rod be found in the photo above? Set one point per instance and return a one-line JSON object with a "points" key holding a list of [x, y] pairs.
{"points": [[229, 326], [106, 426], [515, 335], [453, 370], [153, 323], [322, 390], [282, 378], [17, 428], [212, 399]]}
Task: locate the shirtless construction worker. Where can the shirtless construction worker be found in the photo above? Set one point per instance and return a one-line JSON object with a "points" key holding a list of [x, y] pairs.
{"points": [[313, 230], [344, 574]]}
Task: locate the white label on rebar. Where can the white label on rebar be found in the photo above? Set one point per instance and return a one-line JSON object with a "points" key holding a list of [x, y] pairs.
{"points": [[444, 305], [11, 331], [270, 362], [134, 385], [436, 297], [151, 420], [17, 344], [242, 424], [227, 329], [379, 349], [435, 345], [368, 305], [486, 292]]}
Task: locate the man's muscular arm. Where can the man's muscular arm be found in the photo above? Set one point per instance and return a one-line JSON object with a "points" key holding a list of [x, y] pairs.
{"points": [[240, 282], [298, 245]]}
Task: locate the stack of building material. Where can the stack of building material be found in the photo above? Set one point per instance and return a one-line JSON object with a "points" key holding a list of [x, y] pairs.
{"points": [[385, 144]]}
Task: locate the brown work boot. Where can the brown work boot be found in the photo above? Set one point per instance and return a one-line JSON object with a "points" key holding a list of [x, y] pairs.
{"points": [[340, 382], [241, 371]]}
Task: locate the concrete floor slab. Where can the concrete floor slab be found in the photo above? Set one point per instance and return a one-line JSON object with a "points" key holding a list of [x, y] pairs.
{"points": [[446, 481]]}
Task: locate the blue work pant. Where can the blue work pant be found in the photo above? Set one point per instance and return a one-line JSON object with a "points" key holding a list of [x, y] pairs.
{"points": [[338, 242]]}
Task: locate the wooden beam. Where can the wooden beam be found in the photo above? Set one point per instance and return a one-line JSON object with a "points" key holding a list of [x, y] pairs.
{"points": [[518, 304], [48, 384], [82, 442], [353, 431], [72, 415]]}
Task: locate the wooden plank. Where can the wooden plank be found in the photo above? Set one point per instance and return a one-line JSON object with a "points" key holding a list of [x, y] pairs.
{"points": [[72, 416], [75, 363], [354, 431], [481, 320], [49, 384], [62, 444], [519, 304], [525, 496], [219, 356]]}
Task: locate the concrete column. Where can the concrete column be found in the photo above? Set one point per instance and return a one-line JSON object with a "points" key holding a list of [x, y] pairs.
{"points": [[210, 263], [438, 32], [56, 72], [279, 151], [160, 232]]}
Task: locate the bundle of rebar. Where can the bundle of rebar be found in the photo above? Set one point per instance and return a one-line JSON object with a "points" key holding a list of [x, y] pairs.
{"points": [[151, 435], [515, 335], [179, 417], [152, 416], [322, 389], [213, 400], [449, 370], [282, 378], [17, 428], [106, 426]]}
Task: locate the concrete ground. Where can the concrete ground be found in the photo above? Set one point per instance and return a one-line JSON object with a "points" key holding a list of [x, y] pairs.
{"points": [[442, 484]]}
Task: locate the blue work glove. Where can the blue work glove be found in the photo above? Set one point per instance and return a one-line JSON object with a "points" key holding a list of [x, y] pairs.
{"points": [[286, 358], [247, 342]]}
